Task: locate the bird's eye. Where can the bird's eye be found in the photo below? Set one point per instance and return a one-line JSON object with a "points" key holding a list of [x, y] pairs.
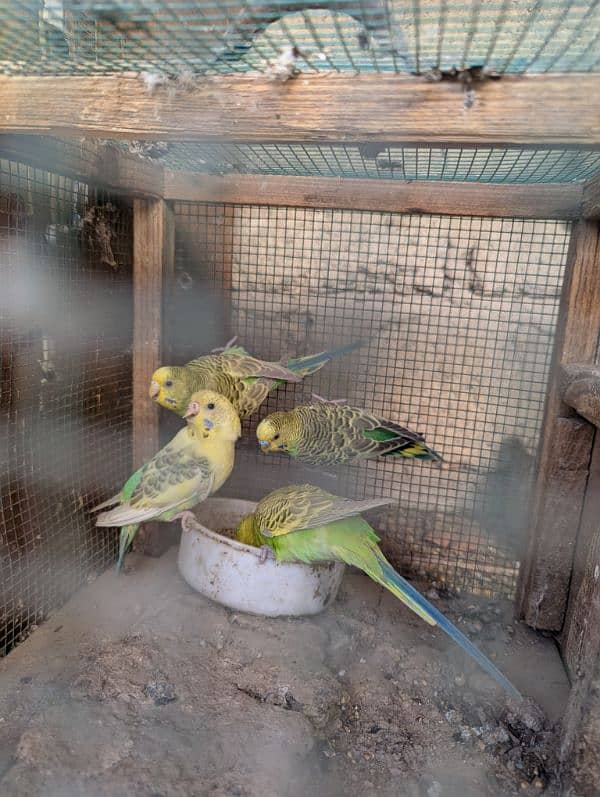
{"points": [[169, 383], [276, 437], [211, 405]]}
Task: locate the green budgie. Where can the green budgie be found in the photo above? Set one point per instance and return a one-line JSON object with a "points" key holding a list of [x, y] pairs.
{"points": [[328, 433], [304, 523], [192, 466], [245, 380]]}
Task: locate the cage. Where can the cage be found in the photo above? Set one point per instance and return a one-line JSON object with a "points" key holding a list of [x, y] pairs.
{"points": [[420, 178]]}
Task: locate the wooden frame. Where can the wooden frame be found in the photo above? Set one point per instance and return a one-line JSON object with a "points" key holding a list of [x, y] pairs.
{"points": [[532, 109], [89, 161], [153, 260], [566, 444], [548, 200], [591, 199], [110, 167]]}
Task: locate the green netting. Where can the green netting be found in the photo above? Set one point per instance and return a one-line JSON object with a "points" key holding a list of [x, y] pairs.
{"points": [[95, 36], [469, 164]]}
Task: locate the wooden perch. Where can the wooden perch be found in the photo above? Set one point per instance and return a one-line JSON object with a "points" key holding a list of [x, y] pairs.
{"points": [[533, 109], [581, 390]]}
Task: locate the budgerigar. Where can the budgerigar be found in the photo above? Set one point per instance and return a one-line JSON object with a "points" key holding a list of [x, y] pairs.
{"points": [[192, 466], [327, 433], [304, 523], [243, 379]]}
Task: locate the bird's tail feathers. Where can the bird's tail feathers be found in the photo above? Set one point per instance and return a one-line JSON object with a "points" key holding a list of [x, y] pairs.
{"points": [[127, 536], [313, 362], [109, 502], [411, 597], [371, 560]]}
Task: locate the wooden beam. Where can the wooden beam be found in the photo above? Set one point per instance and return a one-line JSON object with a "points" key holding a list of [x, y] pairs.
{"points": [[579, 633], [153, 262], [88, 161], [565, 449], [581, 390], [580, 744], [545, 201], [591, 199], [535, 109]]}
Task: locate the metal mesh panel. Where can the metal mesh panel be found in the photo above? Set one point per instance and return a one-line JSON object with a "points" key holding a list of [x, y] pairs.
{"points": [[468, 164], [458, 315], [65, 400], [78, 36]]}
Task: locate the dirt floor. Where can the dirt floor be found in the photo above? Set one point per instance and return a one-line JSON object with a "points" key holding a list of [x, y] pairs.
{"points": [[140, 686]]}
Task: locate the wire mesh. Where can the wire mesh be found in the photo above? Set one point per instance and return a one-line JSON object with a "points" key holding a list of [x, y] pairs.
{"points": [[204, 37], [65, 394], [376, 161], [458, 317]]}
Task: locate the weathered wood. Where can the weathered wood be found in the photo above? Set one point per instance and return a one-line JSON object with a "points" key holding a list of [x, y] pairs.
{"points": [[581, 645], [580, 389], [546, 201], [565, 449], [88, 161], [580, 749], [580, 630], [590, 208], [153, 260], [535, 109]]}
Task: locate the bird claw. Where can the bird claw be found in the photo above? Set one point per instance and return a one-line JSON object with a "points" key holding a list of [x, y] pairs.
{"points": [[188, 520], [228, 345], [322, 400], [265, 553]]}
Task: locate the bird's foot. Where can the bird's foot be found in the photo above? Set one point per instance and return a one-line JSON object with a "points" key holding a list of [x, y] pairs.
{"points": [[328, 401], [228, 345], [265, 553], [188, 520]]}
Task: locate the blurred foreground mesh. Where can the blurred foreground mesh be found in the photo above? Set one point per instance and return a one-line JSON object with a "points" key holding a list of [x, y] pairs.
{"points": [[65, 400]]}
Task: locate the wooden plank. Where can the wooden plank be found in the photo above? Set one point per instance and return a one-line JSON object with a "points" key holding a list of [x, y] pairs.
{"points": [[533, 109], [88, 161], [579, 631], [580, 744], [565, 449], [591, 199], [580, 390], [153, 260], [545, 201]]}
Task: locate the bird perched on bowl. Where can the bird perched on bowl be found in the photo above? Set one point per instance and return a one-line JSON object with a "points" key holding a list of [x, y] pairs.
{"points": [[243, 379], [304, 523], [328, 433], [192, 466]]}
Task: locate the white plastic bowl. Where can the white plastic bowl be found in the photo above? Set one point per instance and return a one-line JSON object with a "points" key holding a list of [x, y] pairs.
{"points": [[231, 573]]}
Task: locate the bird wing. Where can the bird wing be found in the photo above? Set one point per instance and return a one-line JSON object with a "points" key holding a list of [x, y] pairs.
{"points": [[244, 366], [170, 480], [300, 507]]}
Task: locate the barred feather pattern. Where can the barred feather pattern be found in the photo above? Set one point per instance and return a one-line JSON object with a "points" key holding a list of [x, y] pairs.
{"points": [[334, 434]]}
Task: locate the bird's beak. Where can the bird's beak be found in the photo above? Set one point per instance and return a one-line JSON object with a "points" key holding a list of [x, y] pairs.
{"points": [[207, 424], [154, 389], [263, 444], [192, 410]]}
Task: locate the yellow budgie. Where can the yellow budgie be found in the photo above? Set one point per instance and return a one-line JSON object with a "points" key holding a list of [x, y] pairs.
{"points": [[192, 466]]}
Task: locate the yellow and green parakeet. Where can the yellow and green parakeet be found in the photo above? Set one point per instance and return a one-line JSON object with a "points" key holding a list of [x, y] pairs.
{"points": [[243, 379], [304, 523], [192, 466], [327, 433]]}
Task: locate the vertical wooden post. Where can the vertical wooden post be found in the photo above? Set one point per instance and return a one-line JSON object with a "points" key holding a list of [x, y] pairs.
{"points": [[153, 260], [566, 445], [581, 644]]}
